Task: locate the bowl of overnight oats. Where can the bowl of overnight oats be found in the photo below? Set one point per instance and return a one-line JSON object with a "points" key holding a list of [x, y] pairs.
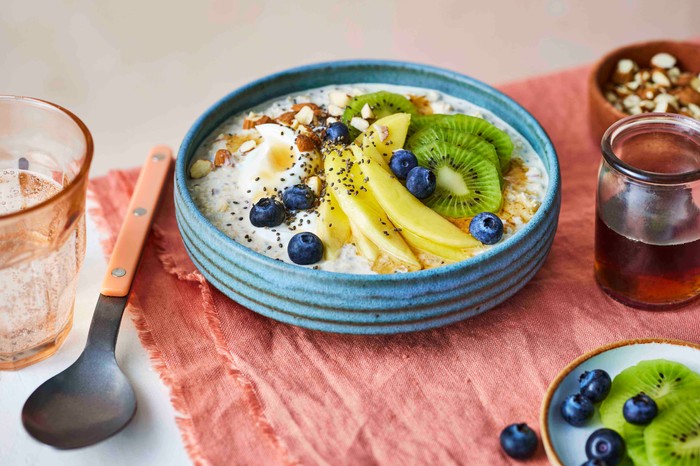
{"points": [[367, 197]]}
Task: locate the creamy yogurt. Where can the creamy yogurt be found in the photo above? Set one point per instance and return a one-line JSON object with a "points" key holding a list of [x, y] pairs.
{"points": [[226, 194]]}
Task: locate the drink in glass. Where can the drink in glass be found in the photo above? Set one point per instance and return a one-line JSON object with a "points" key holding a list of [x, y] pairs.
{"points": [[45, 154]]}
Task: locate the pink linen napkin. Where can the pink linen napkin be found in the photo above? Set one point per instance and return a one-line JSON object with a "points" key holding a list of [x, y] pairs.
{"points": [[250, 390]]}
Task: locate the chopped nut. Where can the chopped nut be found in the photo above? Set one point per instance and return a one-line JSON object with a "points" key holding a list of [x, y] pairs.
{"points": [[331, 120], [631, 101], [263, 120], [314, 182], [633, 85], [624, 72], [694, 110], [687, 95], [611, 97], [367, 112], [305, 116], [247, 146], [340, 99], [382, 132], [335, 110], [222, 158], [200, 169], [286, 118], [647, 104], [663, 60], [660, 78], [359, 124], [299, 107], [642, 76], [695, 84], [304, 143], [665, 107]]}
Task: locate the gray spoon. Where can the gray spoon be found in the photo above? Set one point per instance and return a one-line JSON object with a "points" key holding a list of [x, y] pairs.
{"points": [[92, 399]]}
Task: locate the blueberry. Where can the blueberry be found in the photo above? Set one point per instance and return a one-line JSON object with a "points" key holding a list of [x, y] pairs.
{"points": [[487, 228], [595, 385], [518, 441], [305, 248], [402, 162], [299, 197], [576, 409], [338, 133], [595, 462], [420, 182], [640, 409], [605, 445], [267, 212]]}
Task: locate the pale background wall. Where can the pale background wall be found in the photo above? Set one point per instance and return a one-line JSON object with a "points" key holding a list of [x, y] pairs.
{"points": [[139, 72]]}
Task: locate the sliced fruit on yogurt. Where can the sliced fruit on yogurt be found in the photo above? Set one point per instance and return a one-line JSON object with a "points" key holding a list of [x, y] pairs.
{"points": [[404, 209], [365, 247], [439, 250], [275, 163], [344, 178], [387, 135], [333, 226]]}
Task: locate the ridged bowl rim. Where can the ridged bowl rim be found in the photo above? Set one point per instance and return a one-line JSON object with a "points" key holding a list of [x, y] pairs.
{"points": [[193, 139]]}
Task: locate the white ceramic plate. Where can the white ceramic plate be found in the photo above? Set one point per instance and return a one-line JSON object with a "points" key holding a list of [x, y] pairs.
{"points": [[565, 444]]}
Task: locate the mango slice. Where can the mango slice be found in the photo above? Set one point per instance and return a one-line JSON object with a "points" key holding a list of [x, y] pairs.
{"points": [[404, 209], [333, 226], [344, 178]]}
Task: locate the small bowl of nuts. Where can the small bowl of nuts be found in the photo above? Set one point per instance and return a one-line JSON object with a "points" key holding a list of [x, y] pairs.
{"points": [[660, 76]]}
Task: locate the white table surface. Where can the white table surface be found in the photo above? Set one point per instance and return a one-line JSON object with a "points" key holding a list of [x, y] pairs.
{"points": [[152, 437]]}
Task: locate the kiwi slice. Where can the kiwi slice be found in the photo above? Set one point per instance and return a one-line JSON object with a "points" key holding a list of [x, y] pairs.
{"points": [[665, 381], [634, 435], [467, 182], [382, 103], [467, 141], [471, 125], [673, 438], [634, 442]]}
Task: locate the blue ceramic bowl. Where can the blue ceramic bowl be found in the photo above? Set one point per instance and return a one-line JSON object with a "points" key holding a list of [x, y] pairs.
{"points": [[368, 304]]}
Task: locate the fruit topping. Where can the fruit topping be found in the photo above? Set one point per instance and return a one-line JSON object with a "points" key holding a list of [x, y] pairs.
{"points": [[421, 182], [299, 197], [267, 212], [606, 445], [640, 409], [405, 211], [338, 133], [519, 441], [666, 382], [377, 105], [487, 228], [470, 125], [673, 438], [402, 162], [595, 385], [576, 409], [467, 182], [305, 248]]}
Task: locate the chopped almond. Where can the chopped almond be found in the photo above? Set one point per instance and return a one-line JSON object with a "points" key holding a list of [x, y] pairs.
{"points": [[298, 107], [222, 157], [286, 118], [304, 143]]}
